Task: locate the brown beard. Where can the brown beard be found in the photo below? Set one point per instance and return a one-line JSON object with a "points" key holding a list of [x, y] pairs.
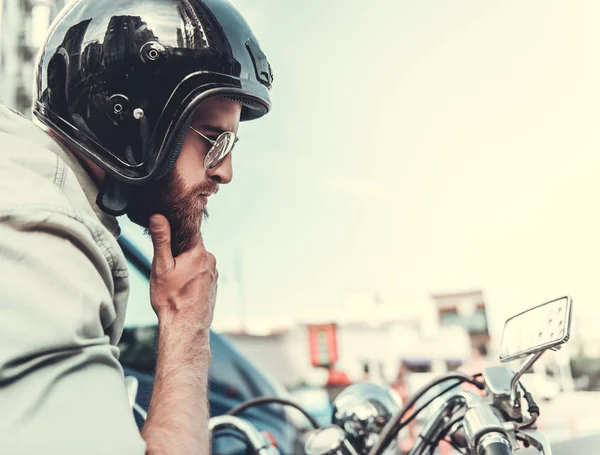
{"points": [[183, 208]]}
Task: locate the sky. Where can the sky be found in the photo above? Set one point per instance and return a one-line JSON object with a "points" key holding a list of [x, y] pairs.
{"points": [[415, 147]]}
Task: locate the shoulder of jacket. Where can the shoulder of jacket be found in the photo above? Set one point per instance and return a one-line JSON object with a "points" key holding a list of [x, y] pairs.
{"points": [[30, 174]]}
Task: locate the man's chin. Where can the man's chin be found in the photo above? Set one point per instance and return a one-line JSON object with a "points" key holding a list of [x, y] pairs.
{"points": [[185, 217]]}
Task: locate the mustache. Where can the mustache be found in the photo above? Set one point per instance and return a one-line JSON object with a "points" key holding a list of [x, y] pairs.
{"points": [[210, 187]]}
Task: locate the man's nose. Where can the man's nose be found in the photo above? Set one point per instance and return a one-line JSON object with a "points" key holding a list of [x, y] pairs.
{"points": [[223, 173]]}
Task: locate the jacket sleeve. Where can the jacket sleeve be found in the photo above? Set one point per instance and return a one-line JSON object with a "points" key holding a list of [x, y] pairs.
{"points": [[61, 386]]}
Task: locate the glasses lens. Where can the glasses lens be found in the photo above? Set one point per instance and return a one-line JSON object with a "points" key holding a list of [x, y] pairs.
{"points": [[223, 145]]}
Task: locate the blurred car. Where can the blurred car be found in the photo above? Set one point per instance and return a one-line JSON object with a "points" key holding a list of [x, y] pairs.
{"points": [[233, 378], [315, 400]]}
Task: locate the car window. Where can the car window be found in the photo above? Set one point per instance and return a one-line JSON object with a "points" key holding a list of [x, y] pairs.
{"points": [[226, 372], [139, 311]]}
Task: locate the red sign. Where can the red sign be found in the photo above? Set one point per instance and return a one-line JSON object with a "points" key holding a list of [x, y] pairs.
{"points": [[322, 340]]}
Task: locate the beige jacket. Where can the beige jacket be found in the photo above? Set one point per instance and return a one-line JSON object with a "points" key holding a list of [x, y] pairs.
{"points": [[63, 294]]}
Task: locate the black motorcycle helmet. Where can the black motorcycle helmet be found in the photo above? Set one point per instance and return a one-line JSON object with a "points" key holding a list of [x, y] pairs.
{"points": [[119, 80]]}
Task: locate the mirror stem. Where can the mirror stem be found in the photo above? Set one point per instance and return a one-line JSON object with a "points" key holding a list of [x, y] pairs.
{"points": [[515, 380]]}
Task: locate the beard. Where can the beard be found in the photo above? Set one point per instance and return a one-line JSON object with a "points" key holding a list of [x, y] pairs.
{"points": [[182, 207]]}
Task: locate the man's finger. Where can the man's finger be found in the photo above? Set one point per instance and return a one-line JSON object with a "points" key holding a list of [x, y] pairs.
{"points": [[160, 231]]}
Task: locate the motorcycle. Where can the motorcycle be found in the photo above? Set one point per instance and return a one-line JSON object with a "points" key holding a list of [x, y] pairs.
{"points": [[367, 418]]}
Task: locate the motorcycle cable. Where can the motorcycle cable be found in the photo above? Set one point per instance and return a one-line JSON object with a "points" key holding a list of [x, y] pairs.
{"points": [[392, 427], [532, 409], [451, 423], [271, 400], [413, 416], [454, 446], [447, 429], [523, 439]]}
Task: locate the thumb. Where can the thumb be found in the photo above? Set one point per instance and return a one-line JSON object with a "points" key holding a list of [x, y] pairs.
{"points": [[160, 232]]}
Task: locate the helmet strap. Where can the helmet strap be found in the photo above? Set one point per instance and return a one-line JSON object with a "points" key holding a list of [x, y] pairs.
{"points": [[113, 196]]}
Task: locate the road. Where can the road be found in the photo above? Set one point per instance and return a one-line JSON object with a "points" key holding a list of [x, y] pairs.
{"points": [[580, 446], [586, 445], [571, 416]]}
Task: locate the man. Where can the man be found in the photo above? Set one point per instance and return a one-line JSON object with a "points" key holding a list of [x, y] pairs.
{"points": [[139, 104]]}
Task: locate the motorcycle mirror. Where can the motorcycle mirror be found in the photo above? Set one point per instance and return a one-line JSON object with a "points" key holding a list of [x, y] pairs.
{"points": [[546, 326]]}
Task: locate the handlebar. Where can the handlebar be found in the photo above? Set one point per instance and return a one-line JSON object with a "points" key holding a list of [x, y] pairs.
{"points": [[464, 419], [479, 421], [257, 441], [484, 431], [494, 444]]}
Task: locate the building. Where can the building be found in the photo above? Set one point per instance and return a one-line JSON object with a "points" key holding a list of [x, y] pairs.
{"points": [[379, 349], [23, 27], [467, 310]]}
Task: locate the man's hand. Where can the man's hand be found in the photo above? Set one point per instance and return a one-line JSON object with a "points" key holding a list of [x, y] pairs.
{"points": [[182, 289], [182, 292]]}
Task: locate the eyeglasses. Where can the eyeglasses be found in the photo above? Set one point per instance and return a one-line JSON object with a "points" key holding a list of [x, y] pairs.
{"points": [[219, 147]]}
